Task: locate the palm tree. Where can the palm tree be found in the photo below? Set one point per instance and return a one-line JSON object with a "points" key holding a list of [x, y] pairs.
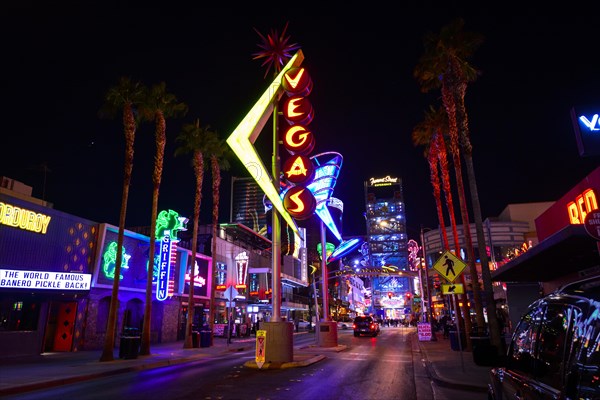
{"points": [[123, 97], [429, 133], [220, 154], [195, 140], [470, 42], [157, 106], [440, 66]]}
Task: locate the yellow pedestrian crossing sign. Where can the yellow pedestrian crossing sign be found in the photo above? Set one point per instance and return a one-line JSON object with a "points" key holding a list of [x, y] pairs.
{"points": [[449, 266]]}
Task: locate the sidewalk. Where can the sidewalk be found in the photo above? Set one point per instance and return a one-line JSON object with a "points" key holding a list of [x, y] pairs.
{"points": [[20, 375], [450, 368]]}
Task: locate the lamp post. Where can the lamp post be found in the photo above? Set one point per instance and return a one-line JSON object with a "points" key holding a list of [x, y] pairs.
{"points": [[429, 305]]}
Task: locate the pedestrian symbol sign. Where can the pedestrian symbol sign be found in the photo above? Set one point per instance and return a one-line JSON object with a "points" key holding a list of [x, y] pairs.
{"points": [[261, 338], [449, 266]]}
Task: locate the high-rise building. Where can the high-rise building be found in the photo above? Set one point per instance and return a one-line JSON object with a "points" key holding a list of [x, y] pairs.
{"points": [[247, 204], [388, 246]]}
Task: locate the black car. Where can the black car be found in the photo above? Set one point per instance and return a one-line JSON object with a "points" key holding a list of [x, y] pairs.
{"points": [[554, 352], [365, 325]]}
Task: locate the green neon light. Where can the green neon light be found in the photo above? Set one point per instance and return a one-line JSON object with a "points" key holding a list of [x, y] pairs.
{"points": [[169, 220], [109, 260], [242, 138]]}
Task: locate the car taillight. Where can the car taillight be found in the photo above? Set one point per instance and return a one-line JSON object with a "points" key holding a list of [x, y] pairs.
{"points": [[353, 326], [372, 326]]}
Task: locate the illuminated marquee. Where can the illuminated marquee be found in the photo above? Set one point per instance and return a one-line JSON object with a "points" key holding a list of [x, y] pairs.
{"points": [[298, 170], [583, 204], [241, 264], [19, 279], [386, 181], [23, 219]]}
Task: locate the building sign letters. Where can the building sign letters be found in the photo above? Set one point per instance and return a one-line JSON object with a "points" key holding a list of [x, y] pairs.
{"points": [[19, 279], [585, 203], [23, 219]]}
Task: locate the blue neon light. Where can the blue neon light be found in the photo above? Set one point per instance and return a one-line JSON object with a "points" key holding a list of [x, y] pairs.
{"points": [[322, 186]]}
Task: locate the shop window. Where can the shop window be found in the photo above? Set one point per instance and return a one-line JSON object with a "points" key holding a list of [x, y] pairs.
{"points": [[18, 314]]}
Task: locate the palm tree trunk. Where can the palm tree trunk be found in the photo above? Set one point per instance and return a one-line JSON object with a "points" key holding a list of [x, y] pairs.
{"points": [[494, 326], [198, 164], [109, 341], [161, 140], [216, 174]]}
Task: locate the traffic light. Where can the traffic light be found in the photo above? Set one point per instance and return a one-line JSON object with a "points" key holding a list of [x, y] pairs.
{"points": [[408, 297], [390, 295]]}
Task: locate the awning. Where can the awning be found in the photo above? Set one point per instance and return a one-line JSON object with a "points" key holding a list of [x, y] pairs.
{"points": [[569, 250]]}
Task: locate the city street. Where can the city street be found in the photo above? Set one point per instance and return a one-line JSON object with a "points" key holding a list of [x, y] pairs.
{"points": [[386, 367]]}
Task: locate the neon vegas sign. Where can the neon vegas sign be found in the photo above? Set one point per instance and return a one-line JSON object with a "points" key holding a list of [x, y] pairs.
{"points": [[245, 134], [584, 203], [23, 219]]}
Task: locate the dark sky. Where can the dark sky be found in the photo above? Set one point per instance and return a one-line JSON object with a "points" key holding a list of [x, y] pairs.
{"points": [[59, 60]]}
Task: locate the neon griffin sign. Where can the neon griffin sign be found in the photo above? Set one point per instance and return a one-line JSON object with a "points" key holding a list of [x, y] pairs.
{"points": [[168, 223]]}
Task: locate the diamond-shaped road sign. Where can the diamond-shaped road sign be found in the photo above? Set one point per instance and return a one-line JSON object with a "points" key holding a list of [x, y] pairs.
{"points": [[449, 266]]}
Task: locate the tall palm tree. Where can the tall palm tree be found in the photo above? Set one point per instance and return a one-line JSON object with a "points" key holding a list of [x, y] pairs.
{"points": [[194, 140], [437, 68], [157, 107], [124, 97], [220, 154], [429, 133], [470, 41]]}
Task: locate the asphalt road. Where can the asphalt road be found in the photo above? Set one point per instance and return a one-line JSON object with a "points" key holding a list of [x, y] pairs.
{"points": [[381, 368]]}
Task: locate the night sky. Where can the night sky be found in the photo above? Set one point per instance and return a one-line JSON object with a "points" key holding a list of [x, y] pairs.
{"points": [[59, 61]]}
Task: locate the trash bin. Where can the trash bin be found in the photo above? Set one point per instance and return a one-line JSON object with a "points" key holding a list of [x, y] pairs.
{"points": [[129, 346], [205, 338], [454, 345], [195, 339]]}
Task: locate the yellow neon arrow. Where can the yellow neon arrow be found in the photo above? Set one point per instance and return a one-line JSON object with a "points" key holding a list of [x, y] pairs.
{"points": [[242, 138]]}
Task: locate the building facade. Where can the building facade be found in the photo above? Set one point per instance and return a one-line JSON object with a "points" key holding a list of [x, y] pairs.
{"points": [[387, 247]]}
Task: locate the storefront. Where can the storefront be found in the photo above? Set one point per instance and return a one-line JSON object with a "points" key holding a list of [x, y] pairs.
{"points": [[566, 251], [46, 263], [171, 275]]}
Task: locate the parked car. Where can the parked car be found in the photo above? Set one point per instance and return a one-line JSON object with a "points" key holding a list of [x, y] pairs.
{"points": [[365, 325], [344, 324], [554, 352]]}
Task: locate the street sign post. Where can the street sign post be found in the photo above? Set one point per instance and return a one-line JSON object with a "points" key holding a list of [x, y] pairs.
{"points": [[449, 266], [230, 294]]}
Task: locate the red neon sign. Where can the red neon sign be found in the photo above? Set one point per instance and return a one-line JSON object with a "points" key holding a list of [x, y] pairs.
{"points": [[583, 204], [298, 169]]}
